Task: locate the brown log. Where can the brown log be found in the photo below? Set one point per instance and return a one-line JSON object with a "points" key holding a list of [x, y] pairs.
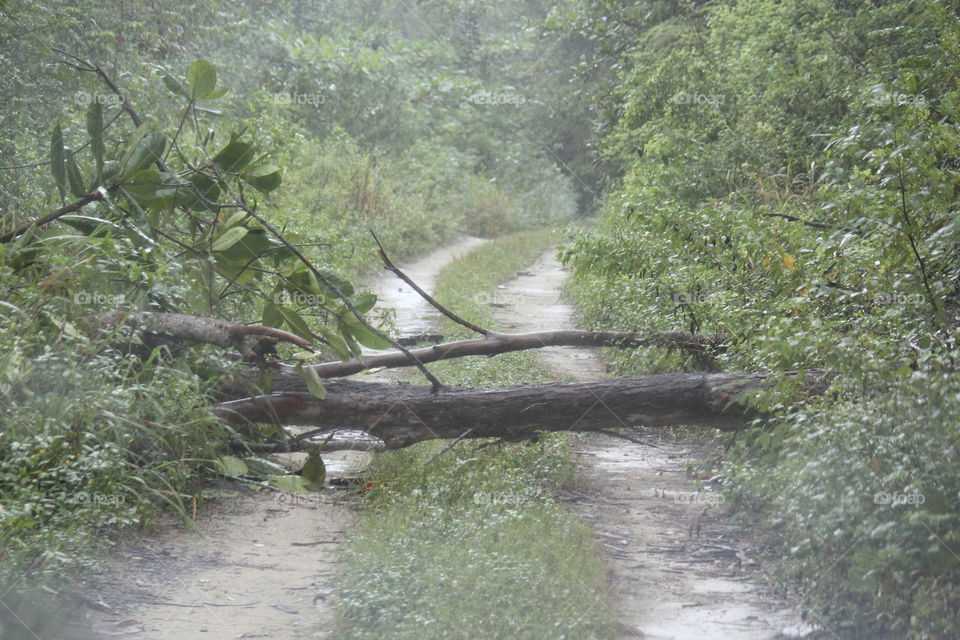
{"points": [[251, 341], [402, 415], [497, 343]]}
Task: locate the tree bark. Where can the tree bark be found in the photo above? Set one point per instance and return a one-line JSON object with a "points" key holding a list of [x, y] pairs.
{"points": [[402, 415]]}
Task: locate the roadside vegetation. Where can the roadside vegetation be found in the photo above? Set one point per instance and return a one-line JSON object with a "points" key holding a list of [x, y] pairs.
{"points": [[789, 178], [471, 541], [326, 122]]}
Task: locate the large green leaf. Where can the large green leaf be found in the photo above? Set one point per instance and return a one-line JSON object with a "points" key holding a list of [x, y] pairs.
{"points": [[229, 238], [293, 484], [337, 343], [272, 317], [296, 322], [202, 78], [361, 334], [249, 248], [174, 85], [314, 472], [235, 157], [77, 189], [313, 380], [147, 150], [231, 466], [204, 189], [336, 280], [57, 160], [264, 178], [365, 302], [95, 131], [154, 189]]}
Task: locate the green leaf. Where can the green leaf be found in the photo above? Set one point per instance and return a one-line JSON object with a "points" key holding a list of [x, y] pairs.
{"points": [[336, 280], [204, 188], [313, 380], [230, 466], [57, 161], [264, 382], [336, 343], [314, 472], [228, 238], [235, 157], [219, 93], [148, 150], [365, 302], [296, 323], [202, 78], [363, 335], [262, 467], [249, 248], [74, 177], [272, 317], [95, 131], [154, 189], [293, 484], [174, 85], [264, 178], [89, 225]]}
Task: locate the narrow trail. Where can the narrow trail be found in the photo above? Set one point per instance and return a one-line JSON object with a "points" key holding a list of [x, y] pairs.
{"points": [[264, 561], [677, 568]]}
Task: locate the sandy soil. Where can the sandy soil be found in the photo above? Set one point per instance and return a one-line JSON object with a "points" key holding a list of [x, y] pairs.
{"points": [[263, 562], [678, 568]]}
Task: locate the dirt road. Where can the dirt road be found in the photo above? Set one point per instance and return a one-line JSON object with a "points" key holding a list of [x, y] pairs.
{"points": [[678, 568], [263, 562]]}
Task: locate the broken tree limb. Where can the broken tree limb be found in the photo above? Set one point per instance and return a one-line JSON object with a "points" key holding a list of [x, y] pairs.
{"points": [[402, 415], [389, 266], [497, 343], [251, 340]]}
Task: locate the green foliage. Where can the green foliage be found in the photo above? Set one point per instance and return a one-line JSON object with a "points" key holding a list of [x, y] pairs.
{"points": [[789, 179]]}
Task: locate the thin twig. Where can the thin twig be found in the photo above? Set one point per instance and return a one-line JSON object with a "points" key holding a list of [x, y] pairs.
{"points": [[448, 447], [99, 194], [389, 266]]}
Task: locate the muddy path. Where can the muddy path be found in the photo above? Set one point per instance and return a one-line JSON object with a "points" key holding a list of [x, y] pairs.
{"points": [[263, 562], [677, 567]]}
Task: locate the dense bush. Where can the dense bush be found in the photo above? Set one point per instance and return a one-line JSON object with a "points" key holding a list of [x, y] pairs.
{"points": [[790, 179]]}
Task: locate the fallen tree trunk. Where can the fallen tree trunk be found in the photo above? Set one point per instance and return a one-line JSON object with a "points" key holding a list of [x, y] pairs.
{"points": [[402, 415]]}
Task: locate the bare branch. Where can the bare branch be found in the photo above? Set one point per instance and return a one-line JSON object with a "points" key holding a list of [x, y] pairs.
{"points": [[389, 266]]}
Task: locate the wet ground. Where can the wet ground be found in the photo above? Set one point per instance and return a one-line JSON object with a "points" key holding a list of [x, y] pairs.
{"points": [[262, 562], [678, 568]]}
